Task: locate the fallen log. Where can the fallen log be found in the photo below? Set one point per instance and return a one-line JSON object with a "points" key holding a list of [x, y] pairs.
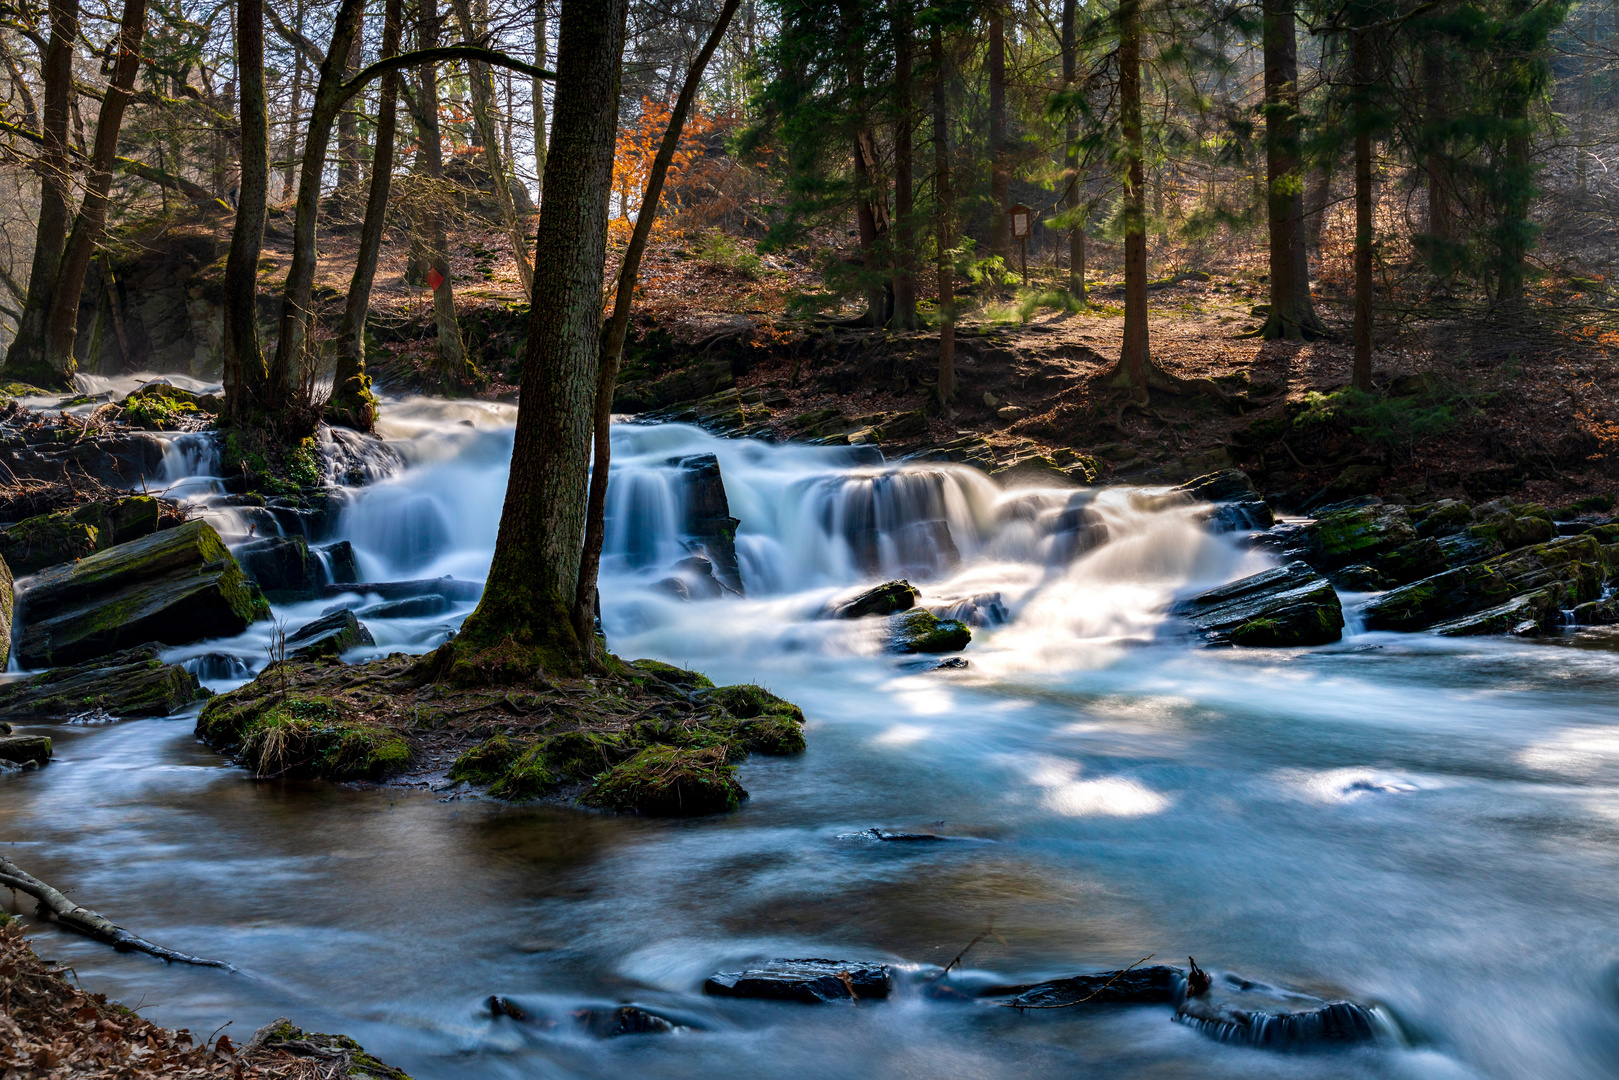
{"points": [[92, 924]]}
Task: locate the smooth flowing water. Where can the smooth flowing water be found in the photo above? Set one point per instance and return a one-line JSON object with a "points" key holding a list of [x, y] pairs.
{"points": [[1427, 824]]}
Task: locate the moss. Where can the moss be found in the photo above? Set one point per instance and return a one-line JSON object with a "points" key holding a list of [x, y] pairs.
{"points": [[925, 632], [528, 777], [690, 680], [47, 540], [669, 781], [488, 761], [582, 754], [300, 736], [765, 723]]}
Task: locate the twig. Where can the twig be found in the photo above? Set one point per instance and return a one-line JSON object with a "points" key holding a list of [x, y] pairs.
{"points": [[961, 954], [1080, 1001]]}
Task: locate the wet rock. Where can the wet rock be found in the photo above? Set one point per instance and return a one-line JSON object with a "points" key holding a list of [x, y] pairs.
{"points": [[1079, 529], [1285, 606], [1238, 1011], [1596, 612], [1573, 565], [887, 837], [452, 589], [342, 568], [694, 381], [23, 749], [504, 1006], [1225, 486], [1523, 616], [176, 586], [980, 609], [888, 598], [1361, 578], [49, 539], [1031, 470], [1513, 527], [115, 460], [709, 527], [924, 632], [624, 1020], [133, 683], [1443, 518], [1155, 985], [284, 567], [417, 607], [810, 982], [329, 635], [1357, 535], [218, 666]]}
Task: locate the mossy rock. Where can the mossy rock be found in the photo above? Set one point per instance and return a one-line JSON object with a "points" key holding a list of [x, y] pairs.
{"points": [[925, 632], [1292, 627], [47, 540], [1443, 518], [669, 781], [888, 598], [527, 777], [488, 761], [690, 680], [1359, 534], [300, 735], [21, 389], [765, 723], [134, 683], [25, 749]]}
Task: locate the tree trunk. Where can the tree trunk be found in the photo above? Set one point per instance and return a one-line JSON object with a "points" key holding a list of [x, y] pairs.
{"points": [[542, 48], [348, 128], [1317, 196], [1133, 358], [866, 209], [289, 356], [1076, 230], [1292, 315], [352, 404], [525, 620], [904, 121], [452, 354], [25, 360], [90, 227], [942, 222], [1000, 177], [1362, 372], [1434, 77], [289, 174], [618, 328], [483, 109], [245, 374]]}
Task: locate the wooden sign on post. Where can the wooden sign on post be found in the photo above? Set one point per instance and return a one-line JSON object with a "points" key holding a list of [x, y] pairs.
{"points": [[1022, 224]]}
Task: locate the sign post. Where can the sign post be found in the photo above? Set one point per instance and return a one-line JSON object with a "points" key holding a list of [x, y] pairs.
{"points": [[1022, 224]]}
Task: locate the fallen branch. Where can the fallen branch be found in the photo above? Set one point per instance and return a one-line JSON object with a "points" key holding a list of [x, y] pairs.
{"points": [[93, 924]]}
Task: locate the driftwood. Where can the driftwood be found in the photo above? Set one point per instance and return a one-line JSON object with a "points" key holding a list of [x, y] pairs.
{"points": [[93, 924]]}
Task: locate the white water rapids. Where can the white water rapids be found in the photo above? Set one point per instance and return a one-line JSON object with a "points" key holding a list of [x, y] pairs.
{"points": [[1427, 824]]}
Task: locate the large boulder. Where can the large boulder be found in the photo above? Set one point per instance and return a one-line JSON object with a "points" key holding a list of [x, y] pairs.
{"points": [[284, 567], [25, 749], [176, 586], [133, 683], [810, 982], [1566, 572], [65, 535], [889, 598], [1284, 606], [1356, 535], [709, 527]]}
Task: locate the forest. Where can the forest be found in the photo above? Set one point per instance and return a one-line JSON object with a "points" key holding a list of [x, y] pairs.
{"points": [[561, 538]]}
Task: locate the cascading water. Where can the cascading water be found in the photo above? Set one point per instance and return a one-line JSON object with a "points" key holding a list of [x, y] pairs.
{"points": [[1422, 824]]}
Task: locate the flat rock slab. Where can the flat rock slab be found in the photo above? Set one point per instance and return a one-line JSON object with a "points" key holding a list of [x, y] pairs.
{"points": [[23, 749], [329, 635], [1155, 985], [133, 683], [453, 589], [810, 982], [1284, 606]]}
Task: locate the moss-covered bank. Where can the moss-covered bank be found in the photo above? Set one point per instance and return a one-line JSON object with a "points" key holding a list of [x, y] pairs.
{"points": [[645, 738]]}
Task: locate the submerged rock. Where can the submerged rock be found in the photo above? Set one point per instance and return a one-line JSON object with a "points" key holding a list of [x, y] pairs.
{"points": [[810, 982], [1285, 606], [886, 599], [133, 683], [623, 1020], [25, 749], [417, 607], [329, 635], [925, 632], [176, 586]]}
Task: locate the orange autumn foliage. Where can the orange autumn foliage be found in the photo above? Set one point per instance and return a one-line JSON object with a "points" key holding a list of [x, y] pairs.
{"points": [[638, 146]]}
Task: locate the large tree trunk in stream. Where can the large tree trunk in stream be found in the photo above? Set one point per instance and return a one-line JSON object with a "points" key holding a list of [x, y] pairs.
{"points": [[90, 227], [452, 353], [1076, 230], [483, 115], [1133, 358], [245, 375], [1000, 174], [525, 620], [904, 120], [295, 301], [1361, 377], [618, 327], [941, 223], [25, 360], [352, 404], [1292, 315]]}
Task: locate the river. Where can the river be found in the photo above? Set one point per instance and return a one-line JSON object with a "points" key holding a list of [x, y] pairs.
{"points": [[1431, 825]]}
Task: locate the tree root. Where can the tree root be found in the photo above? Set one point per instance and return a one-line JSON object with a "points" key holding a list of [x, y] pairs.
{"points": [[92, 924]]}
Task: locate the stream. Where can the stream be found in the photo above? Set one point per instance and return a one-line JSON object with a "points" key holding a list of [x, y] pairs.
{"points": [[1427, 824]]}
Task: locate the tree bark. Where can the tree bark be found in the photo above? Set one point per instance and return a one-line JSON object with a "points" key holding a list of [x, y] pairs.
{"points": [[542, 48], [1434, 79], [452, 353], [1076, 231], [1361, 377], [90, 227], [483, 108], [1133, 358], [904, 122], [1292, 315], [295, 301], [348, 127], [25, 359], [584, 604], [1000, 180], [352, 404], [289, 175], [525, 620], [246, 377], [942, 221]]}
